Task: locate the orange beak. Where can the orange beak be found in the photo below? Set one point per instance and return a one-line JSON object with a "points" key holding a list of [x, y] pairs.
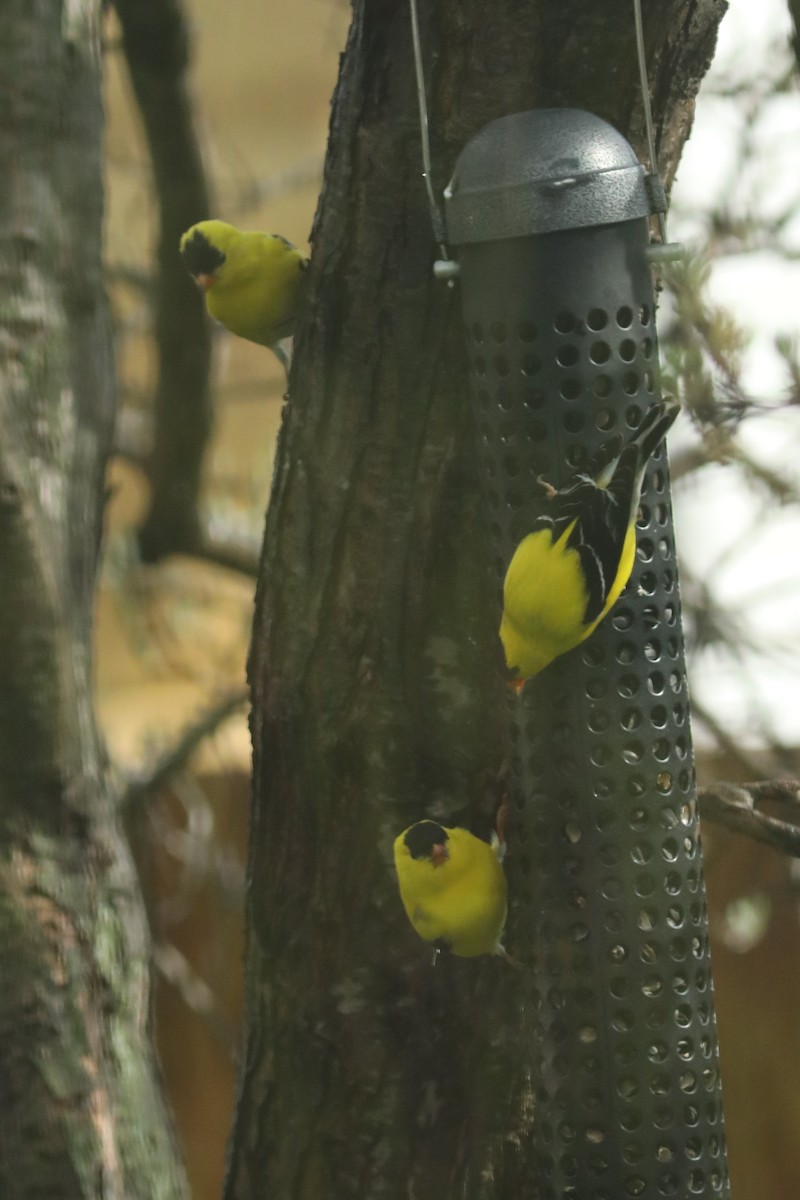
{"points": [[439, 855], [205, 281], [516, 685]]}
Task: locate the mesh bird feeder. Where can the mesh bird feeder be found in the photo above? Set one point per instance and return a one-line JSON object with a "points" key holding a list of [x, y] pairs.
{"points": [[548, 215]]}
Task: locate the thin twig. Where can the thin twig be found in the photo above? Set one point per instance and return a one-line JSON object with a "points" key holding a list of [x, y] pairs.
{"points": [[232, 555], [131, 276], [268, 189], [794, 12], [734, 805], [174, 758], [176, 970]]}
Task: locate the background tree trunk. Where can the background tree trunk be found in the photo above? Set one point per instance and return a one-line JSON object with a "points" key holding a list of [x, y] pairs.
{"points": [[157, 50], [378, 694], [79, 1088]]}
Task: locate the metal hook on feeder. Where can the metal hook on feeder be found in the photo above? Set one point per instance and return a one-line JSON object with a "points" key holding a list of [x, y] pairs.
{"points": [[446, 269], [665, 251]]}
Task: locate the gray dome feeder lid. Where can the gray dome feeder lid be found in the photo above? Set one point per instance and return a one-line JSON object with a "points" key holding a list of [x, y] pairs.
{"points": [[541, 171]]}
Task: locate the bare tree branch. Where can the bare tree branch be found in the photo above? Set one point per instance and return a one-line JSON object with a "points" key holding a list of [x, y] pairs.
{"points": [[256, 192], [735, 805], [175, 968], [178, 754], [794, 12], [233, 555]]}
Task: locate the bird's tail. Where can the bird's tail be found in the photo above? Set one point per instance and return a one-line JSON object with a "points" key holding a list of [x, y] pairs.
{"points": [[655, 425], [623, 476]]}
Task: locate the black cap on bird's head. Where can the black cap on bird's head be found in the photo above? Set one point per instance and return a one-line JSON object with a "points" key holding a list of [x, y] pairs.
{"points": [[200, 257], [422, 839]]}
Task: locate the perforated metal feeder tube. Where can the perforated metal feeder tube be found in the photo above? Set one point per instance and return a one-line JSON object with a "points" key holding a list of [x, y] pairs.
{"points": [[547, 215]]}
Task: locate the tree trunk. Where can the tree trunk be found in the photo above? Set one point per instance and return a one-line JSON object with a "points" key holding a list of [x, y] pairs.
{"points": [[79, 1088], [377, 685]]}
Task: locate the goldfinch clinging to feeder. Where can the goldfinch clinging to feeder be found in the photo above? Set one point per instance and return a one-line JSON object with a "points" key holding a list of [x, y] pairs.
{"points": [[570, 569], [251, 280], [453, 888]]}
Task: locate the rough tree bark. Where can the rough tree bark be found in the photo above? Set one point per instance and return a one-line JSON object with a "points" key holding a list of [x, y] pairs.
{"points": [[82, 1115], [374, 667]]}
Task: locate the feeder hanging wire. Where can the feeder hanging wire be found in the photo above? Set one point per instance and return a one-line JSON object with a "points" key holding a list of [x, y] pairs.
{"points": [[446, 268], [648, 120], [437, 220]]}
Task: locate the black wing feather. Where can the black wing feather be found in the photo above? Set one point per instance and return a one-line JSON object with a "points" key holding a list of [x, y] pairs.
{"points": [[598, 536], [602, 514]]}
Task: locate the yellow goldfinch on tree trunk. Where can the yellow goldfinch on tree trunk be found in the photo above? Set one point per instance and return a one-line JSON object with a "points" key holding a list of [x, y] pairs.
{"points": [[453, 888], [252, 281]]}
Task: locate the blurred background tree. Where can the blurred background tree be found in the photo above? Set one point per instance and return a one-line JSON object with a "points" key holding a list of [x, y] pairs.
{"points": [[174, 719], [83, 1110]]}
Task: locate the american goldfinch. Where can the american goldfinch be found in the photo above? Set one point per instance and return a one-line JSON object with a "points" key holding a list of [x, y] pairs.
{"points": [[251, 280], [453, 888], [570, 569]]}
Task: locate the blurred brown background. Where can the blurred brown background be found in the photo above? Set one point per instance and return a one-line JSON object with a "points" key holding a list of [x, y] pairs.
{"points": [[172, 638]]}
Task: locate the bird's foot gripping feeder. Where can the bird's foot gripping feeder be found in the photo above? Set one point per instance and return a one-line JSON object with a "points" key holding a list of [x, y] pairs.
{"points": [[548, 217]]}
